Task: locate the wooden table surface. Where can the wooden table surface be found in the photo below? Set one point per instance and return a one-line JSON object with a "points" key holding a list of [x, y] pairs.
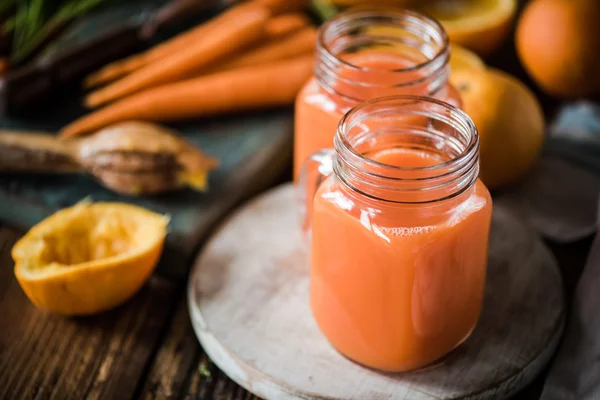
{"points": [[143, 349], [146, 348]]}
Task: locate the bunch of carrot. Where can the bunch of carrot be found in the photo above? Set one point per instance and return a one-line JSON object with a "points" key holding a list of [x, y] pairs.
{"points": [[254, 55]]}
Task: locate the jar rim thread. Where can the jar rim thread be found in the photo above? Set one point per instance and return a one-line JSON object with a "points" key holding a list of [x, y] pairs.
{"points": [[356, 169]]}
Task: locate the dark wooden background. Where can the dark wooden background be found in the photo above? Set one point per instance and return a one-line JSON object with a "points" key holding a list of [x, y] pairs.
{"points": [[146, 348]]}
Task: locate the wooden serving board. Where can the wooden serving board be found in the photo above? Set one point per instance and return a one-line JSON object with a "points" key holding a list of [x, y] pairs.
{"points": [[254, 150], [248, 300]]}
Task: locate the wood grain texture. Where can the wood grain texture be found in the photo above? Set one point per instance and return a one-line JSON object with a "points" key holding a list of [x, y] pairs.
{"points": [[208, 382], [174, 361], [249, 306], [50, 357], [254, 149], [181, 370]]}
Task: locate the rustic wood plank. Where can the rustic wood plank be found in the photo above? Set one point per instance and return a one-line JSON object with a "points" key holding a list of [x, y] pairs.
{"points": [[248, 308], [101, 357], [571, 259], [174, 361], [253, 149], [208, 382], [203, 380], [181, 370]]}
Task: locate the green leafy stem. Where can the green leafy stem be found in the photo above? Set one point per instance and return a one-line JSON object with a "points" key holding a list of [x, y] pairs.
{"points": [[34, 20], [324, 9]]}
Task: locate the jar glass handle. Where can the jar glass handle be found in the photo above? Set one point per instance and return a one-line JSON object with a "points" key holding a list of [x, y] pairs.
{"points": [[314, 170]]}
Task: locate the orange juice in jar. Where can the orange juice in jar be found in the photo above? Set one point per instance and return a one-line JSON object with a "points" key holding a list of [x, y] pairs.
{"points": [[399, 233], [362, 54]]}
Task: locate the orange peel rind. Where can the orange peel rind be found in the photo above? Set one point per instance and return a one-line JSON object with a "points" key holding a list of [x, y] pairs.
{"points": [[90, 257]]}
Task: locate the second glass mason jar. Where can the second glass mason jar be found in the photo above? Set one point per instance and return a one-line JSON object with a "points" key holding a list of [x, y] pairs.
{"points": [[363, 54], [399, 232]]}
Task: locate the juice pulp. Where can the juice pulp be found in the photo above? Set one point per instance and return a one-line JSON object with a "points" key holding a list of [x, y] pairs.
{"points": [[319, 111], [396, 286]]}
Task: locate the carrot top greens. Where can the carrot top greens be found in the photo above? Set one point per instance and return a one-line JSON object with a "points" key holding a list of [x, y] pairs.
{"points": [[30, 22]]}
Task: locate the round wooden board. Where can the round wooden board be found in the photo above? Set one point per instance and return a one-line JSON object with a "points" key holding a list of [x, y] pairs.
{"points": [[248, 298]]}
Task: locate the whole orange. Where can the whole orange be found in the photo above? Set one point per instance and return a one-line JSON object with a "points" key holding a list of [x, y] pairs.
{"points": [[462, 58], [479, 25], [509, 120], [558, 42]]}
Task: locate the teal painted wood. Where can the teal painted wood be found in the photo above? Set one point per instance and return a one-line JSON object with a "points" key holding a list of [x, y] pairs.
{"points": [[254, 149]]}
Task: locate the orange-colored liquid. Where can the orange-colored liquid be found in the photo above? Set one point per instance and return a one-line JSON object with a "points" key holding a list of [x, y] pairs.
{"points": [[397, 286], [318, 111]]}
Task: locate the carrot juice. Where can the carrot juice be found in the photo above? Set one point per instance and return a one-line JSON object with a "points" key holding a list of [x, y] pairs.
{"points": [[399, 234], [358, 58]]}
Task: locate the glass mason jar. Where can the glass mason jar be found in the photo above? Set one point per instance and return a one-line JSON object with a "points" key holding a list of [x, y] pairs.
{"points": [[399, 226], [362, 54]]}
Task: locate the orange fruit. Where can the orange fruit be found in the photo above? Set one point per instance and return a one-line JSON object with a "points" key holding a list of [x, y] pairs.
{"points": [[480, 25], [558, 42], [463, 59], [90, 257], [510, 123]]}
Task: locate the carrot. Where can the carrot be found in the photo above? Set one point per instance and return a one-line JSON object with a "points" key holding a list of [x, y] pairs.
{"points": [[274, 28], [300, 43], [279, 25], [183, 40], [115, 70], [180, 42], [278, 7], [240, 89], [231, 37], [285, 24]]}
